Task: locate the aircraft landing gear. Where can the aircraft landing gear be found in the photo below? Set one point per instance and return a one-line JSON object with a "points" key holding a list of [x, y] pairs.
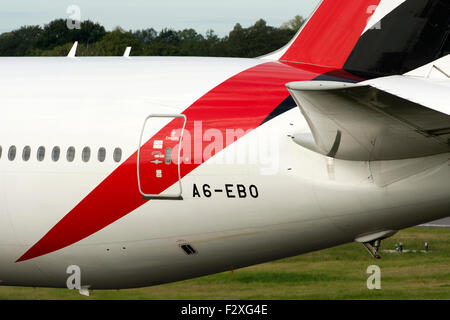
{"points": [[373, 247], [372, 241]]}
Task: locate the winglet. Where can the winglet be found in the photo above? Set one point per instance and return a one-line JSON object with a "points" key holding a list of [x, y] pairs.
{"points": [[73, 51], [127, 52]]}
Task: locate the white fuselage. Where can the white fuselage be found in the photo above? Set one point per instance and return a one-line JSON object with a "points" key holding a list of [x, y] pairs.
{"points": [[304, 201]]}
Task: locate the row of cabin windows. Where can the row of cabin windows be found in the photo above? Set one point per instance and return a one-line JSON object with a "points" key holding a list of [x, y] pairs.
{"points": [[56, 153]]}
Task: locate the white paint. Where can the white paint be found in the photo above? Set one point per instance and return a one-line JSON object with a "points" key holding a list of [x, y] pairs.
{"points": [[127, 52], [384, 8], [426, 92], [73, 51], [436, 70]]}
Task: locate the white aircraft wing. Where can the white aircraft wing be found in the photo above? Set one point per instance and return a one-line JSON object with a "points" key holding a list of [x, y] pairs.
{"points": [[391, 118]]}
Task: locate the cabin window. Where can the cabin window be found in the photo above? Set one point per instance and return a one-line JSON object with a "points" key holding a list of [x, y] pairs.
{"points": [[117, 154], [41, 153], [55, 153], [86, 154], [26, 153], [12, 153], [101, 154], [70, 156]]}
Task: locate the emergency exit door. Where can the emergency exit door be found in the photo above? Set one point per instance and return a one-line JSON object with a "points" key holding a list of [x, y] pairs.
{"points": [[159, 157]]}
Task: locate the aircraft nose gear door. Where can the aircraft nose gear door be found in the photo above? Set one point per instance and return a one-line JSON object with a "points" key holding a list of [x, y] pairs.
{"points": [[158, 157]]}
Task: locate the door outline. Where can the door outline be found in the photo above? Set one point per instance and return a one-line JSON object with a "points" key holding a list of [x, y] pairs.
{"points": [[177, 196]]}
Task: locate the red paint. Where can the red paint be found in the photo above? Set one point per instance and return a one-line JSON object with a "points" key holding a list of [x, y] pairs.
{"points": [[332, 32], [242, 102]]}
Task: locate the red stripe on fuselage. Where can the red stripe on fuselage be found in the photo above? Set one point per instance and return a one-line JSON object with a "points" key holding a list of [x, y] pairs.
{"points": [[241, 102]]}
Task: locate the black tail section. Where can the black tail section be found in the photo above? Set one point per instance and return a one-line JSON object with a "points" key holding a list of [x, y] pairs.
{"points": [[412, 35]]}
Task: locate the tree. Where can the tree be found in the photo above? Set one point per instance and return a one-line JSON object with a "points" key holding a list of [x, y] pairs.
{"points": [[56, 39], [168, 36], [115, 42], [189, 35], [56, 33], [294, 24], [256, 40], [19, 42], [236, 43], [191, 43], [89, 32], [147, 36], [213, 45]]}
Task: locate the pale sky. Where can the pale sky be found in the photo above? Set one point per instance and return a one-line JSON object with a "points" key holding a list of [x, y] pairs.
{"points": [[201, 15]]}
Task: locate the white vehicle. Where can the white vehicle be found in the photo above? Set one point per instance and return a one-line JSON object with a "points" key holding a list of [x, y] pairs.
{"points": [[148, 170]]}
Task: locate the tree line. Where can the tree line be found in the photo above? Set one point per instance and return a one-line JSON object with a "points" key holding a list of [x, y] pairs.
{"points": [[56, 39]]}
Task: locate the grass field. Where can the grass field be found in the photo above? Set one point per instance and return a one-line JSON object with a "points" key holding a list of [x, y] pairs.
{"points": [[337, 273]]}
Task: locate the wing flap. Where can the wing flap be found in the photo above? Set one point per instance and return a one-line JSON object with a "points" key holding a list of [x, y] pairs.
{"points": [[361, 122]]}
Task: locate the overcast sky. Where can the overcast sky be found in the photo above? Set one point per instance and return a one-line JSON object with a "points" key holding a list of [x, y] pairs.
{"points": [[201, 15]]}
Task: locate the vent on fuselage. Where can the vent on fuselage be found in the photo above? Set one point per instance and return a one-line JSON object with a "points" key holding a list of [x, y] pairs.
{"points": [[188, 249]]}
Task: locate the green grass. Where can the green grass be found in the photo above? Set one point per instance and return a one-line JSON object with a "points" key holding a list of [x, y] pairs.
{"points": [[336, 273]]}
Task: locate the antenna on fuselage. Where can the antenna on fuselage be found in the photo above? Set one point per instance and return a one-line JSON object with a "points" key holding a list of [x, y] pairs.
{"points": [[127, 52], [73, 51]]}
